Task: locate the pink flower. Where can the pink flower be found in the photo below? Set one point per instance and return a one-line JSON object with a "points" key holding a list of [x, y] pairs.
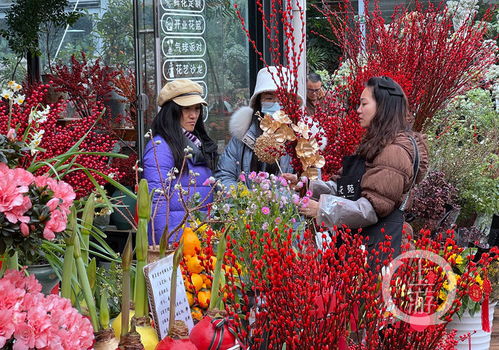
{"points": [[25, 337], [266, 210], [304, 202], [252, 175], [38, 321], [11, 134], [24, 229], [296, 198], [56, 223], [242, 177], [63, 191], [41, 181], [6, 326]]}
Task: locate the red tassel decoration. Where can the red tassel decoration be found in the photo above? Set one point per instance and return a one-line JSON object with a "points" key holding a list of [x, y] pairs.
{"points": [[487, 289]]}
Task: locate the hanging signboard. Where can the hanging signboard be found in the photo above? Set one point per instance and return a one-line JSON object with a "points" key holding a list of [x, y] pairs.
{"points": [[183, 46], [183, 5], [182, 24], [177, 46]]}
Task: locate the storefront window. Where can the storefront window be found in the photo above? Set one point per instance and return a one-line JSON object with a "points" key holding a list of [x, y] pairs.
{"points": [[203, 41]]}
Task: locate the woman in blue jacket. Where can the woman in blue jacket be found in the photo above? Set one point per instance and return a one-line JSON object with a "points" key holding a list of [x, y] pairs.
{"points": [[176, 128]]}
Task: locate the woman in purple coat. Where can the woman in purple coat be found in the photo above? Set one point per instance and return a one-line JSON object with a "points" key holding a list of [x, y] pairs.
{"points": [[177, 126]]}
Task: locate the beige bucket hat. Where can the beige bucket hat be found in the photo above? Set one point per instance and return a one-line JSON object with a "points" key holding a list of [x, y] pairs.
{"points": [[183, 92]]}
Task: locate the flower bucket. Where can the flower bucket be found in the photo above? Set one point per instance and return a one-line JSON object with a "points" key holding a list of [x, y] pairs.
{"points": [[44, 274], [472, 325]]}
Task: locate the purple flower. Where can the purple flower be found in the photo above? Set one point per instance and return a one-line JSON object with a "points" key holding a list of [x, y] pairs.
{"points": [[265, 226], [266, 210], [296, 198]]}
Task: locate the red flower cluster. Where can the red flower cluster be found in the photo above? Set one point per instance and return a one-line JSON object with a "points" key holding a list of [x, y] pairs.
{"points": [[58, 138], [432, 65], [332, 297]]}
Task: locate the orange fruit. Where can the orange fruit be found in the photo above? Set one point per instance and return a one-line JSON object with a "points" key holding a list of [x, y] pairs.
{"points": [[204, 298], [193, 264], [190, 298], [197, 313], [197, 281], [191, 242], [206, 281]]}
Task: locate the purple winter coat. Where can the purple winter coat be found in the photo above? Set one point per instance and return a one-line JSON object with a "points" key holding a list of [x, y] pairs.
{"points": [[197, 164]]}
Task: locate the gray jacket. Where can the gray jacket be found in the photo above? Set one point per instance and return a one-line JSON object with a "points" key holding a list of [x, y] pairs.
{"points": [[237, 155]]}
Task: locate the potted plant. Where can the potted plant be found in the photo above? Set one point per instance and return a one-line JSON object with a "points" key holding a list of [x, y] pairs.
{"points": [[463, 143], [25, 20]]}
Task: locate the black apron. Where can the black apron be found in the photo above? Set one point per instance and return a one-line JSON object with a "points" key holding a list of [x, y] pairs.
{"points": [[348, 186]]}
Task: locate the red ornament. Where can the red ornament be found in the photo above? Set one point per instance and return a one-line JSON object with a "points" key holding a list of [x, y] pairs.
{"points": [[475, 293], [175, 344], [213, 334]]}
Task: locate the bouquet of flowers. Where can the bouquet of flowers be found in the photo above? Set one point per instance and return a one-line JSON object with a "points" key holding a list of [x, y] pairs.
{"points": [[31, 320], [32, 208], [263, 202]]}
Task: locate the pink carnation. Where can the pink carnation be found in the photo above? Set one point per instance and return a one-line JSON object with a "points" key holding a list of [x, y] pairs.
{"points": [[6, 326], [34, 320], [25, 337]]}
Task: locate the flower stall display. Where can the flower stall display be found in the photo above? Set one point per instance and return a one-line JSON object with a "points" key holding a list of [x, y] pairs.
{"points": [[31, 320], [264, 202], [24, 113]]}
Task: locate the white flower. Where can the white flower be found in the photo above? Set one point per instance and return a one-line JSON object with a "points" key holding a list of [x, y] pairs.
{"points": [[18, 100], [158, 142], [188, 156], [7, 94], [14, 86], [148, 134], [35, 141], [177, 186]]}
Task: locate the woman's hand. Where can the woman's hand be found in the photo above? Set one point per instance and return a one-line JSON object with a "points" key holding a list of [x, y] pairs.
{"points": [[292, 179], [311, 209]]}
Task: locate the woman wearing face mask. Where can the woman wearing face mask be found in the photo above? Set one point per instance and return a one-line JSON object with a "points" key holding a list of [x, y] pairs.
{"points": [[179, 124], [244, 127], [374, 185]]}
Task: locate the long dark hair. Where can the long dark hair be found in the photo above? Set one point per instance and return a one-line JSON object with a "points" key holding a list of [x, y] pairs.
{"points": [[167, 125], [390, 118]]}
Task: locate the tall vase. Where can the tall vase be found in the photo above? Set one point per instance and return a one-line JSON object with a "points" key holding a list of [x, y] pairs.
{"points": [[46, 275], [472, 326]]}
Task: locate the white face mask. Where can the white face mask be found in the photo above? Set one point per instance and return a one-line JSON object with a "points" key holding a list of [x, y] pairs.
{"points": [[270, 107]]}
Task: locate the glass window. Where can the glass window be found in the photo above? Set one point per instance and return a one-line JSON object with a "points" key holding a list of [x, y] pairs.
{"points": [[203, 41]]}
